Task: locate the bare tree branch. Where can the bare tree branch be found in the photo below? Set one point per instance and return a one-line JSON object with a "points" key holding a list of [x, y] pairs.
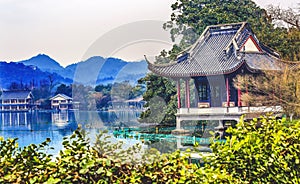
{"points": [[289, 16]]}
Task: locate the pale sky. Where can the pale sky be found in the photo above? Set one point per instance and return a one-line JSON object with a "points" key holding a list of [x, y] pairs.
{"points": [[72, 30]]}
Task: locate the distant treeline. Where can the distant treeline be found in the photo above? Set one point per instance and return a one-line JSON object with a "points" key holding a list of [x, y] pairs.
{"points": [[90, 98]]}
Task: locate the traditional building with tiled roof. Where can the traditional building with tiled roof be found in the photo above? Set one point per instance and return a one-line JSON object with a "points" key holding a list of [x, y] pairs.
{"points": [[221, 53], [61, 102], [16, 101]]}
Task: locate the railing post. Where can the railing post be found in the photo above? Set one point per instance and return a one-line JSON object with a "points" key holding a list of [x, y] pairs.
{"points": [[178, 123]]}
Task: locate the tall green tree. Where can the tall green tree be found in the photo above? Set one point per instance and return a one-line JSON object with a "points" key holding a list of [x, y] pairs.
{"points": [[161, 99], [64, 89], [190, 18]]}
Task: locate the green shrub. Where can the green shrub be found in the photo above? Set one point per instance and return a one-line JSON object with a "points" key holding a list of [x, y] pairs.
{"points": [[25, 165], [259, 151], [263, 150]]}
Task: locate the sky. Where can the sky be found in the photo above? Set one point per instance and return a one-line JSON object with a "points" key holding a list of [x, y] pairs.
{"points": [[70, 31]]}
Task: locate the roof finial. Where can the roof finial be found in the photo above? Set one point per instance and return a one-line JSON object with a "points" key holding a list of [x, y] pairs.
{"points": [[147, 59]]}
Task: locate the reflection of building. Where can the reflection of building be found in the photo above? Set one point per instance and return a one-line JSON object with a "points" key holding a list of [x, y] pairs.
{"points": [[61, 102], [15, 121], [132, 104], [213, 62], [60, 118], [16, 101], [136, 103]]}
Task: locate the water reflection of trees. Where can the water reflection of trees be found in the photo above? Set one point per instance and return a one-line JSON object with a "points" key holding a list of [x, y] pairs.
{"points": [[200, 128], [163, 146]]}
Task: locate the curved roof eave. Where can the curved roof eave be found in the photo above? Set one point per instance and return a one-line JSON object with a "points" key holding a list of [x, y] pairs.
{"points": [[195, 74]]}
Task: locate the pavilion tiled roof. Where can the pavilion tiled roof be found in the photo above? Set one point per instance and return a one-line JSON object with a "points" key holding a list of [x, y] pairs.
{"points": [[220, 50], [262, 61]]}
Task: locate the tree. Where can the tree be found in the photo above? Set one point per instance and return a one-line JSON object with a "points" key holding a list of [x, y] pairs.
{"points": [[121, 91], [190, 18], [160, 91], [14, 86], [64, 89], [287, 34], [42, 91], [288, 16], [104, 97], [138, 90], [82, 94], [272, 89], [104, 89]]}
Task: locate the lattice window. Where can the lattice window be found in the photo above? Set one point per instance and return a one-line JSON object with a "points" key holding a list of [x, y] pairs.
{"points": [[203, 91]]}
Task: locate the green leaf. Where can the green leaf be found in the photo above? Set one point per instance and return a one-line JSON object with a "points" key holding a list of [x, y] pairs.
{"points": [[52, 180], [100, 170], [83, 171], [108, 173]]}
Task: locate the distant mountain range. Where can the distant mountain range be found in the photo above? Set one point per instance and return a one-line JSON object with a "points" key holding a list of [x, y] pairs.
{"points": [[93, 71]]}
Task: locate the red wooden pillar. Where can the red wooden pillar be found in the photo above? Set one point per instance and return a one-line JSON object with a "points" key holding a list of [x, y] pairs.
{"points": [[178, 94], [187, 93], [227, 92], [239, 97], [239, 94]]}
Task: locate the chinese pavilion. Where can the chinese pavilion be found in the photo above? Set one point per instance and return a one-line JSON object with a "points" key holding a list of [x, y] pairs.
{"points": [[219, 55]]}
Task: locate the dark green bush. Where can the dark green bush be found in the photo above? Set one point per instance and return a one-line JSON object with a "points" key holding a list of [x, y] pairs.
{"points": [[263, 150], [260, 151]]}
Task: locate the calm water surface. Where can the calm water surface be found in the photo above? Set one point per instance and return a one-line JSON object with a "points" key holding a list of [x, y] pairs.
{"points": [[35, 127]]}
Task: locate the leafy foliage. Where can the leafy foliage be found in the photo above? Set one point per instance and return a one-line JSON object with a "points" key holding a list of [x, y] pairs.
{"points": [[23, 165], [124, 91], [263, 150], [190, 18], [287, 33], [119, 91], [161, 99], [260, 151], [64, 89]]}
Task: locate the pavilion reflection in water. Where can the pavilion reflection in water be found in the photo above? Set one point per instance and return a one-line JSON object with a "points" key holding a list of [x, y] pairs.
{"points": [[15, 121], [60, 119]]}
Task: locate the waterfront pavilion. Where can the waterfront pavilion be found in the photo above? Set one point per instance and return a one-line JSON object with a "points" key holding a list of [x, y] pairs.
{"points": [[220, 54]]}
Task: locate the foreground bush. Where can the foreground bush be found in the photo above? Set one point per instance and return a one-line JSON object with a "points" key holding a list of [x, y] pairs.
{"points": [[265, 151], [261, 151]]}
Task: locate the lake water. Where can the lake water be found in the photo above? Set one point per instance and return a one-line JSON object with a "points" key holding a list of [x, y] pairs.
{"points": [[35, 127]]}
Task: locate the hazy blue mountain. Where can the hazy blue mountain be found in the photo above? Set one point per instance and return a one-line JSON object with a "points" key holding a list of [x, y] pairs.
{"points": [[97, 70], [43, 62], [92, 71], [29, 76]]}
